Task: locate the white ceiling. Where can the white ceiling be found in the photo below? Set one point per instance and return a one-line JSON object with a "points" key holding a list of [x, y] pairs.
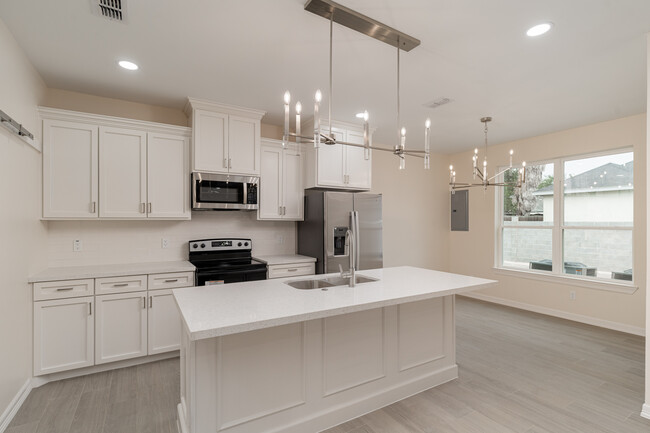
{"points": [[591, 67]]}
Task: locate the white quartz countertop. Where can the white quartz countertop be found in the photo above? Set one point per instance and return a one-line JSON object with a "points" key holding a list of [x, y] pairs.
{"points": [[285, 259], [213, 311], [113, 270]]}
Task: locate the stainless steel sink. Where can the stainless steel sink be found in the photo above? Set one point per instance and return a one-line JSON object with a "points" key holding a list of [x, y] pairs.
{"points": [[323, 283], [340, 281], [309, 284]]}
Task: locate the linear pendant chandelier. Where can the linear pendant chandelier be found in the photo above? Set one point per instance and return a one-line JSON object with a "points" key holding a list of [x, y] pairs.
{"points": [[335, 12], [482, 175]]}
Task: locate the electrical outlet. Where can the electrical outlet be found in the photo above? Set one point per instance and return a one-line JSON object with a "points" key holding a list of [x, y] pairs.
{"points": [[77, 245], [164, 243], [572, 295]]}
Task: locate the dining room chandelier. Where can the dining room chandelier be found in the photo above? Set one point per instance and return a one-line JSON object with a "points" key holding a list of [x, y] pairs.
{"points": [[335, 12], [482, 175]]}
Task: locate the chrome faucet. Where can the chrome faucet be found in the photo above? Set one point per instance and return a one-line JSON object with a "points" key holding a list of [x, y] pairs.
{"points": [[349, 240]]}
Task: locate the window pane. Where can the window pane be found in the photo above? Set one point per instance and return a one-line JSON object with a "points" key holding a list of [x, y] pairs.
{"points": [[599, 191], [533, 203], [527, 248], [598, 253]]}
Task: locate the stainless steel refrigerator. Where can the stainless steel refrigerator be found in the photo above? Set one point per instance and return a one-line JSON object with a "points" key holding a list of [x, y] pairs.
{"points": [[328, 215]]}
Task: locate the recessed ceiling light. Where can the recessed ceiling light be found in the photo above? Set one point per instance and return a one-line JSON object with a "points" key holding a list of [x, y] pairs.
{"points": [[539, 29], [128, 65], [360, 115]]}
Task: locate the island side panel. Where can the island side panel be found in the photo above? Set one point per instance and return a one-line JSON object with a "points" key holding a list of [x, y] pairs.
{"points": [[309, 376]]}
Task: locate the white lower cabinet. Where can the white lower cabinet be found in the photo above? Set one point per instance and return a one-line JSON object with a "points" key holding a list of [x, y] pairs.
{"points": [[164, 322], [123, 320], [63, 334], [121, 327]]}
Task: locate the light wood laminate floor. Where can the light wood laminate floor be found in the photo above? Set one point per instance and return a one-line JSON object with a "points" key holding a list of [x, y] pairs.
{"points": [[519, 372]]}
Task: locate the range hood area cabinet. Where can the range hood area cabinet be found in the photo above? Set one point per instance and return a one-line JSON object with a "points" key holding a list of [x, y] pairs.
{"points": [[225, 138], [338, 166], [101, 167], [281, 191]]}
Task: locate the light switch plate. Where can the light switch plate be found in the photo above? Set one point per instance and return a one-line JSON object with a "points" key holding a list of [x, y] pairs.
{"points": [[164, 243], [77, 245]]}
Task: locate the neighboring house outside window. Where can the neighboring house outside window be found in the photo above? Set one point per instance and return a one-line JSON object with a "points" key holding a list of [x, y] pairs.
{"points": [[582, 226]]}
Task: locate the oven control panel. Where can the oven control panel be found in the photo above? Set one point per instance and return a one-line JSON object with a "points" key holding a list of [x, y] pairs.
{"points": [[230, 244]]}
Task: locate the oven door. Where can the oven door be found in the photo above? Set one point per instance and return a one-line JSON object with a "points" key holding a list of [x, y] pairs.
{"points": [[222, 191], [226, 277]]}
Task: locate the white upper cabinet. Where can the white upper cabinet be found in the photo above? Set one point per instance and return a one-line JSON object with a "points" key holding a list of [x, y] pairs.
{"points": [[70, 169], [122, 173], [111, 168], [168, 176], [338, 166], [281, 191], [226, 139]]}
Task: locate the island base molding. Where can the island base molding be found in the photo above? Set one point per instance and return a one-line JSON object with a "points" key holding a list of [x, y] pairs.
{"points": [[309, 376]]}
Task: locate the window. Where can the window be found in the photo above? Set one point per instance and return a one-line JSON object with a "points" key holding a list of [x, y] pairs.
{"points": [[579, 226]]}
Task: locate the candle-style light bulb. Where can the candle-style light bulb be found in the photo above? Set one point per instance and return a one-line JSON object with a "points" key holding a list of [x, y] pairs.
{"points": [[298, 111], [317, 98], [366, 136], [511, 153], [427, 146], [402, 146], [285, 136]]}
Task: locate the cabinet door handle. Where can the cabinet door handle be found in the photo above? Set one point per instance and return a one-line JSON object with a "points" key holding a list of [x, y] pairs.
{"points": [[93, 207], [225, 164], [229, 163], [149, 208], [292, 270], [284, 210], [171, 281], [150, 301], [142, 208], [121, 285], [64, 289], [90, 308], [144, 302]]}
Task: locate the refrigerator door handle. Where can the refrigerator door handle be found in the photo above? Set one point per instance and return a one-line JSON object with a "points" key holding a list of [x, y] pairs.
{"points": [[354, 217]]}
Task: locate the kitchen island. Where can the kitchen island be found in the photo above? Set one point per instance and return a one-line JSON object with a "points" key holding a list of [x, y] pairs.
{"points": [[265, 357]]}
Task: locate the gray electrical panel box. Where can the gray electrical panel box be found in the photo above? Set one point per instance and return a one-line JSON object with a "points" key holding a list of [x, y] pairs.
{"points": [[460, 210]]}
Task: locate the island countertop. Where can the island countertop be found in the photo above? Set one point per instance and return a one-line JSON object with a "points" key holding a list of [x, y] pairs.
{"points": [[213, 311]]}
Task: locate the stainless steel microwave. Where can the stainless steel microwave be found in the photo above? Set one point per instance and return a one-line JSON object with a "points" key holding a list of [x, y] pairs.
{"points": [[224, 192]]}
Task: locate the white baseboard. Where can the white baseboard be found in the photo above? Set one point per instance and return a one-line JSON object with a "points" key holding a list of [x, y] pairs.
{"points": [[645, 411], [615, 326], [46, 378], [15, 404]]}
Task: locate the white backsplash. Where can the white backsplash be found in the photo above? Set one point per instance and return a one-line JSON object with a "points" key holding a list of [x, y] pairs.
{"points": [[107, 242]]}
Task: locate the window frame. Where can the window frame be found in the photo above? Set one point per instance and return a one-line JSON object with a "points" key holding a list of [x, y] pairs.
{"points": [[558, 228]]}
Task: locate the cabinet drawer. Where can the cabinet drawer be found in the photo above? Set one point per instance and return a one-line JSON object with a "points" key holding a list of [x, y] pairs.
{"points": [[171, 280], [131, 283], [63, 289], [280, 271]]}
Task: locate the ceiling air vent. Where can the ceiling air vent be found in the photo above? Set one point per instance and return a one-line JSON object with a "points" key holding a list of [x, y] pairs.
{"points": [[437, 102], [112, 9]]}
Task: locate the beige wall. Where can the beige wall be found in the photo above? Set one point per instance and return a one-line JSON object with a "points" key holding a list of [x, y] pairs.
{"points": [[415, 210], [473, 252], [21, 232]]}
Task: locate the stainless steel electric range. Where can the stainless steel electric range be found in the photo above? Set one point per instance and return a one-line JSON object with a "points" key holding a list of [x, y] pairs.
{"points": [[222, 261]]}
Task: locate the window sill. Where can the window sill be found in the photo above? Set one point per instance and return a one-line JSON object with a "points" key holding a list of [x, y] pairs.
{"points": [[610, 286]]}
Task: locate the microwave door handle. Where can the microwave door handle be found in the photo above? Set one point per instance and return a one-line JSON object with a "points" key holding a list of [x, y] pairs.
{"points": [[245, 192]]}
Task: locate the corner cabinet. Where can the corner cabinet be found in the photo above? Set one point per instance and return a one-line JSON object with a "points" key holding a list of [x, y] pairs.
{"points": [[100, 167], [281, 191], [225, 139], [338, 166]]}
